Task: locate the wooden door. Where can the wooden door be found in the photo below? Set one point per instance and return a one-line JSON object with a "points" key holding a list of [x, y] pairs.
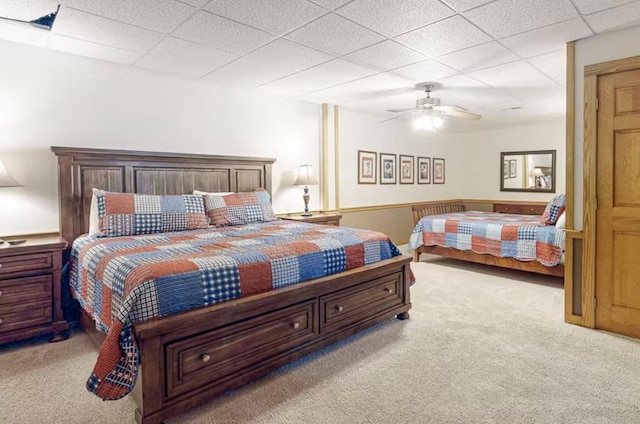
{"points": [[618, 204]]}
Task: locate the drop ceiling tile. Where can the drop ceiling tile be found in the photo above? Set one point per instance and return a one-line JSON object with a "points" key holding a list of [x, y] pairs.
{"points": [[27, 10], [552, 64], [275, 16], [462, 5], [322, 76], [335, 35], [179, 57], [288, 56], [503, 18], [85, 26], [587, 7], [23, 34], [220, 33], [444, 37], [512, 75], [384, 56], [158, 15], [330, 4], [196, 3], [478, 57], [368, 88], [622, 16], [392, 17], [548, 39], [428, 70], [246, 73], [92, 50]]}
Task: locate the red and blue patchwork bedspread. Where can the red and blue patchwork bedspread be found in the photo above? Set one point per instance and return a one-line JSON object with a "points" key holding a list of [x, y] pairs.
{"points": [[124, 280], [521, 237]]}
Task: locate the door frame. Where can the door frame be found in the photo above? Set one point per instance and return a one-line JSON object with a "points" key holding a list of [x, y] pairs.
{"points": [[589, 198]]}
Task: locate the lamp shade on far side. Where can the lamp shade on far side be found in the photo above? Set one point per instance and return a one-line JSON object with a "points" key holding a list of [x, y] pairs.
{"points": [[306, 176], [7, 180]]}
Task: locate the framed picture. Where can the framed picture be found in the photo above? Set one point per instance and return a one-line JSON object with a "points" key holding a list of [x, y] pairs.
{"points": [[367, 167], [513, 168], [424, 170], [438, 171], [505, 170], [406, 169], [387, 168]]}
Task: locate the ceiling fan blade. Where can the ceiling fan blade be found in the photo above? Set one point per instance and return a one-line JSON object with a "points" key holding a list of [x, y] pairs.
{"points": [[401, 116], [401, 110], [457, 112]]}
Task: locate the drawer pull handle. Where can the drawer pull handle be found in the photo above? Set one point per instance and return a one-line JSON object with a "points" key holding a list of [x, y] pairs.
{"points": [[340, 308], [205, 358], [295, 325], [388, 290]]}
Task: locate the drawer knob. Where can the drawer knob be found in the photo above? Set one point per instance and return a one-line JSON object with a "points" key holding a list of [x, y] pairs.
{"points": [[388, 290], [0, 320], [205, 358], [0, 292], [340, 308], [295, 325]]}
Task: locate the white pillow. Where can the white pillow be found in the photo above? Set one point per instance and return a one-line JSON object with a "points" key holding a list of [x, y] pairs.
{"points": [[204, 193], [94, 219], [560, 222]]}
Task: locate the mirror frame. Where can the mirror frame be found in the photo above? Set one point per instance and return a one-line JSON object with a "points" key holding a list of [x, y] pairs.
{"points": [[552, 189]]}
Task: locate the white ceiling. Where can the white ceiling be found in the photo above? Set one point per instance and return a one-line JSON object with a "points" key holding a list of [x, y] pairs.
{"points": [[489, 56]]}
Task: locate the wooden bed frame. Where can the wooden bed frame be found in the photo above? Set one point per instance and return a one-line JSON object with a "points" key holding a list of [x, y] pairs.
{"points": [[437, 208], [191, 357]]}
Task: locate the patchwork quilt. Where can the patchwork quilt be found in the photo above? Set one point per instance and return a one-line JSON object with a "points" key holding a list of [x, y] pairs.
{"points": [[124, 280], [521, 237]]}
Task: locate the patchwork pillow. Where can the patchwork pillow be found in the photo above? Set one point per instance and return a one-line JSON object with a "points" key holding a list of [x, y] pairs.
{"points": [[129, 214], [239, 208], [554, 209]]}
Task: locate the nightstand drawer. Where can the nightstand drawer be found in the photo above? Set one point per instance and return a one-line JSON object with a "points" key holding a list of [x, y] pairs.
{"points": [[23, 290], [15, 317], [22, 263]]}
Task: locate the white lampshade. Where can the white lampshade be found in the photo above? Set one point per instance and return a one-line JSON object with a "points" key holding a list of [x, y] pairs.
{"points": [[7, 180], [537, 172], [306, 176]]}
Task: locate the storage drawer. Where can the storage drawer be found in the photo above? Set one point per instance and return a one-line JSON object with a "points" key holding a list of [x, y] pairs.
{"points": [[346, 307], [24, 290], [193, 362], [519, 209], [22, 263], [15, 317]]}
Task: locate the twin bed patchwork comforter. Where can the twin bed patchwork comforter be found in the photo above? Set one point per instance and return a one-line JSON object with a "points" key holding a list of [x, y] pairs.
{"points": [[124, 280], [521, 237]]}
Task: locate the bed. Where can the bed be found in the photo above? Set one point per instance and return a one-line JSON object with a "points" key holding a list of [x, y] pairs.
{"points": [[510, 240], [182, 359]]}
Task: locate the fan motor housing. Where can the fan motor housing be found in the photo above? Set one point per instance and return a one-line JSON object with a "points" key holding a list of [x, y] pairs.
{"points": [[427, 103]]}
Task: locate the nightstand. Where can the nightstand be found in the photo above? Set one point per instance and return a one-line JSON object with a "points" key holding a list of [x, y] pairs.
{"points": [[30, 298], [318, 218]]}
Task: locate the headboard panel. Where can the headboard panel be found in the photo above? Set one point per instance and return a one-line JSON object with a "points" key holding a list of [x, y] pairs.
{"points": [[80, 170]]}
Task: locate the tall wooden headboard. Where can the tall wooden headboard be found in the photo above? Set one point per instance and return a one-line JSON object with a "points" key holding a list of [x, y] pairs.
{"points": [[80, 170]]}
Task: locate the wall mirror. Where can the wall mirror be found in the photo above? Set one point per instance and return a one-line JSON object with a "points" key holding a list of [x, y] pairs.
{"points": [[532, 171]]}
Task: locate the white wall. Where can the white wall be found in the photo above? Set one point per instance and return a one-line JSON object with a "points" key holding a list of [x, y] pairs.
{"points": [[597, 49], [51, 98], [360, 131]]}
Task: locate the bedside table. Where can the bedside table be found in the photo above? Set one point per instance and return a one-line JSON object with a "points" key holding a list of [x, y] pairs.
{"points": [[318, 218], [30, 298]]}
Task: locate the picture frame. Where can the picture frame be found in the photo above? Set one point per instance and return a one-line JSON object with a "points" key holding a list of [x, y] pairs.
{"points": [[367, 167], [424, 170], [505, 170], [513, 168], [388, 168], [406, 165], [438, 170]]}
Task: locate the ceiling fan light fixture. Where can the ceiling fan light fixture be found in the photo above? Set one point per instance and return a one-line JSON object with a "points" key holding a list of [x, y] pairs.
{"points": [[429, 122]]}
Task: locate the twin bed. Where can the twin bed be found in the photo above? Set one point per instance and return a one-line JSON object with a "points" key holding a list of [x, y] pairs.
{"points": [[191, 314]]}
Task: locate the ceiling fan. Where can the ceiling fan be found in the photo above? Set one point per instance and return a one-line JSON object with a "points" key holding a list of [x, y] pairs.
{"points": [[431, 108]]}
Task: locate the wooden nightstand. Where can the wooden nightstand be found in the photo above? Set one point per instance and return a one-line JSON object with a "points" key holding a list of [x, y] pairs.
{"points": [[317, 218], [30, 298]]}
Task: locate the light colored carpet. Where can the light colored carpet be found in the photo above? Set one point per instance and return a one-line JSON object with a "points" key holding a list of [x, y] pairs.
{"points": [[482, 346]]}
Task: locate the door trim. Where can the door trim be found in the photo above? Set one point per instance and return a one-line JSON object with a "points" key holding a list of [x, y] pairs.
{"points": [[591, 75]]}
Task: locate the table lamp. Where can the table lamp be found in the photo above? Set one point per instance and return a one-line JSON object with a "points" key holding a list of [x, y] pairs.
{"points": [[537, 174], [6, 180], [306, 178]]}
